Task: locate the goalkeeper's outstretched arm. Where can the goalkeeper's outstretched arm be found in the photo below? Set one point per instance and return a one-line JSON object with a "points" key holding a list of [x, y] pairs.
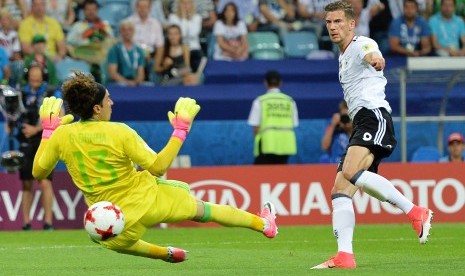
{"points": [[37, 171], [50, 117], [181, 119]]}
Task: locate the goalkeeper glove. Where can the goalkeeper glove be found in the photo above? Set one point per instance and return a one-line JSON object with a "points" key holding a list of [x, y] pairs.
{"points": [[49, 112], [185, 111]]}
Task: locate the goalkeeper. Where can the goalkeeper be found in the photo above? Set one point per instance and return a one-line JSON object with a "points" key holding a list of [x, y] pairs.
{"points": [[100, 157]]}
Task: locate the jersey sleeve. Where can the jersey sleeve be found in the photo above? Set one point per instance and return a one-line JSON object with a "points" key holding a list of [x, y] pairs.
{"points": [[137, 149], [51, 154], [368, 46]]}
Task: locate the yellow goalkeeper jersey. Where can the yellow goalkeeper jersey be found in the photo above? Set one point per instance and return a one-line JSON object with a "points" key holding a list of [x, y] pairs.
{"points": [[100, 157]]}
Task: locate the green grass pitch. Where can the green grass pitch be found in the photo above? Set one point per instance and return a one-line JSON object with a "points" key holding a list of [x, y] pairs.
{"points": [[380, 250]]}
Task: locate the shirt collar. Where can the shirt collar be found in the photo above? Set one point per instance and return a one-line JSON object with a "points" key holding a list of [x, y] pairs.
{"points": [[273, 90]]}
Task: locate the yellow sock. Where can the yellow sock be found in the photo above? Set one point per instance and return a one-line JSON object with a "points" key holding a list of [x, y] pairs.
{"points": [[231, 217], [145, 249]]}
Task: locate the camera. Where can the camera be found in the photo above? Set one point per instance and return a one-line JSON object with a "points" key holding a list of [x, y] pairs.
{"points": [[345, 118], [11, 106]]}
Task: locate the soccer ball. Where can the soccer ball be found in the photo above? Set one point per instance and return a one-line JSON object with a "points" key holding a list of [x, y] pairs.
{"points": [[103, 220]]}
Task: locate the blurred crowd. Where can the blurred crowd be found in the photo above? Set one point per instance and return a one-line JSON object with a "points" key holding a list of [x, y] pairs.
{"points": [[167, 42]]}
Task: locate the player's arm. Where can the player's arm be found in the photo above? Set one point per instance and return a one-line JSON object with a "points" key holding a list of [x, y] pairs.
{"points": [[37, 171], [376, 60], [185, 111], [50, 119], [328, 136]]}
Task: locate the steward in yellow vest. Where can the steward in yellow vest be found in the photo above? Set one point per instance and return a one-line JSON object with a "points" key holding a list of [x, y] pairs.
{"points": [[274, 116]]}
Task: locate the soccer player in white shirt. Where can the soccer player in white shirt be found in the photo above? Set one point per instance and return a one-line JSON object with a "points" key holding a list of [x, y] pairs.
{"points": [[361, 67]]}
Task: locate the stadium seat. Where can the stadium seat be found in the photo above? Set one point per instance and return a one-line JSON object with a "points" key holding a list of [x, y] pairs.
{"points": [[265, 45], [299, 44], [66, 67], [426, 154]]}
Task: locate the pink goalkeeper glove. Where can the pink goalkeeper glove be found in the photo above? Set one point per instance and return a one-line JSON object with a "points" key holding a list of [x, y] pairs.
{"points": [[185, 111], [49, 112]]}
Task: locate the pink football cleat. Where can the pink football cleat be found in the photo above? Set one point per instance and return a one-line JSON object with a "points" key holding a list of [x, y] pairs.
{"points": [[176, 255], [421, 222], [269, 214], [341, 260]]}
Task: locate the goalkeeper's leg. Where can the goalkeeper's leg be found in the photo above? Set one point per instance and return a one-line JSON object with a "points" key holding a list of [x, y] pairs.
{"points": [[234, 217], [153, 251]]}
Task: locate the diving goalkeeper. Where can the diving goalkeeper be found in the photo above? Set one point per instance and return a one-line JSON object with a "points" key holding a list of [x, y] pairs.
{"points": [[100, 157]]}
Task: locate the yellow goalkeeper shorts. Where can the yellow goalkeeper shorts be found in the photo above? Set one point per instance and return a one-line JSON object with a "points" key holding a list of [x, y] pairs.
{"points": [[173, 203]]}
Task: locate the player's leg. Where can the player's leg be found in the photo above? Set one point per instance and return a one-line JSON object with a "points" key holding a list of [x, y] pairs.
{"points": [[129, 242], [148, 250], [376, 136], [47, 202], [234, 217], [176, 204], [26, 202], [382, 189], [343, 220]]}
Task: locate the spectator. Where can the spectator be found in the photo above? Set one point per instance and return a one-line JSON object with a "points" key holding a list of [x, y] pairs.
{"points": [[159, 9], [148, 33], [455, 147], [273, 116], [62, 11], [93, 34], [363, 15], [40, 58], [379, 24], [205, 8], [172, 60], [231, 35], [39, 23], [448, 31], [409, 34], [312, 14], [247, 10], [434, 6], [5, 72], [126, 59], [276, 15], [190, 23], [10, 42], [29, 137], [337, 134], [18, 10], [78, 7]]}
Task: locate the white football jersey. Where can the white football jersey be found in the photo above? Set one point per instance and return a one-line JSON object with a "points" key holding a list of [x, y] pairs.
{"points": [[363, 86]]}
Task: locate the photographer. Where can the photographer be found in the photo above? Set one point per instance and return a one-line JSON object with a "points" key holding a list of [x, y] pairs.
{"points": [[29, 134], [337, 135]]}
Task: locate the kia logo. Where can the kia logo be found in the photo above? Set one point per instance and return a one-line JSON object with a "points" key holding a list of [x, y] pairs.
{"points": [[221, 192]]}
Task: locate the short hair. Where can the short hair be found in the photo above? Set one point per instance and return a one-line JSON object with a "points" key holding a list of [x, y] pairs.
{"points": [[126, 23], [411, 1], [90, 2], [273, 78], [80, 93], [341, 6]]}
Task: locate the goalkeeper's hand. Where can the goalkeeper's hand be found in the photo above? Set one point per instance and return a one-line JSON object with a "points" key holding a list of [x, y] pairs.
{"points": [[49, 116], [185, 111]]}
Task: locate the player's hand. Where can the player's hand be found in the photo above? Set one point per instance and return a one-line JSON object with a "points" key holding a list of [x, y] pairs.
{"points": [[49, 116], [185, 111], [378, 63]]}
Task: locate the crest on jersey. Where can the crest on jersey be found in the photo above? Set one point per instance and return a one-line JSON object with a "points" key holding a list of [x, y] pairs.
{"points": [[368, 47]]}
